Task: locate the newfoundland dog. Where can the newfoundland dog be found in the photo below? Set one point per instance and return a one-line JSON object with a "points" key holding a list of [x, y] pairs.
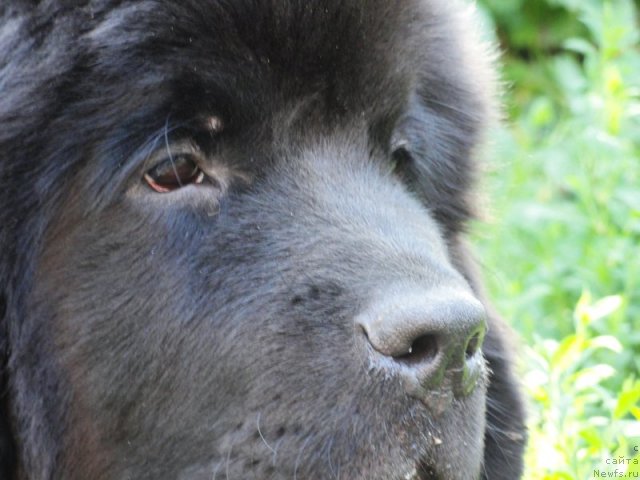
{"points": [[232, 244]]}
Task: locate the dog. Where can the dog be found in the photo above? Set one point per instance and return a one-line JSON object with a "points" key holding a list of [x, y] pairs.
{"points": [[233, 243]]}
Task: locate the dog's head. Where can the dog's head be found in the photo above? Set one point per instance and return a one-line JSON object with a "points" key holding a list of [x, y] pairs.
{"points": [[231, 240]]}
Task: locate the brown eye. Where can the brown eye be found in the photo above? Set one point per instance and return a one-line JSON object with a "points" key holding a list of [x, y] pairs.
{"points": [[173, 173]]}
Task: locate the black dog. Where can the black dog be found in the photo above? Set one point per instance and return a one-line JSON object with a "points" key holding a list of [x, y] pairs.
{"points": [[231, 244]]}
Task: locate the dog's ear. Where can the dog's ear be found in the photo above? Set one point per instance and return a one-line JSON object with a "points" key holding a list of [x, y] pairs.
{"points": [[7, 447]]}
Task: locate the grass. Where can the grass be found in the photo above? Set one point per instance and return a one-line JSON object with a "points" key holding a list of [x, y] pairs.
{"points": [[563, 253]]}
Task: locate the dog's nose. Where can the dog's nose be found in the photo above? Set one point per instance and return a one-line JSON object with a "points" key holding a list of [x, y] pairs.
{"points": [[432, 338]]}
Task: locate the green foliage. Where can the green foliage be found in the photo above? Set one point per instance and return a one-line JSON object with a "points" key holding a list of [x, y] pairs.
{"points": [[578, 423], [566, 191]]}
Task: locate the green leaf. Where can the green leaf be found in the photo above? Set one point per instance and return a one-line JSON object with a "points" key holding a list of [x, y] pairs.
{"points": [[580, 45], [605, 307], [568, 354], [628, 400], [591, 376], [608, 342]]}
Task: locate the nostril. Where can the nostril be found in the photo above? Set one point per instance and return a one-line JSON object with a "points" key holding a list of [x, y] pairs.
{"points": [[423, 349], [473, 346]]}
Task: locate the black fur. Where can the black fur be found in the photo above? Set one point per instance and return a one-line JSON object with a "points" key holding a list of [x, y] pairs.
{"points": [[209, 332]]}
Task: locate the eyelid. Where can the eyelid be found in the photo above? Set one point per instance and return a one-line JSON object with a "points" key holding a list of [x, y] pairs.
{"points": [[181, 147]]}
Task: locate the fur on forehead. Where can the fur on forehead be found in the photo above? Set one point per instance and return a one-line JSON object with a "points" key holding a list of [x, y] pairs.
{"points": [[343, 46]]}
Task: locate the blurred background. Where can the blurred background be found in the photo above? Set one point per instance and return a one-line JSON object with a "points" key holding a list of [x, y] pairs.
{"points": [[561, 249]]}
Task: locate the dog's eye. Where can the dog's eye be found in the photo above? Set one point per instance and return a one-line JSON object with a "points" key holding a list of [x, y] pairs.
{"points": [[174, 172]]}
